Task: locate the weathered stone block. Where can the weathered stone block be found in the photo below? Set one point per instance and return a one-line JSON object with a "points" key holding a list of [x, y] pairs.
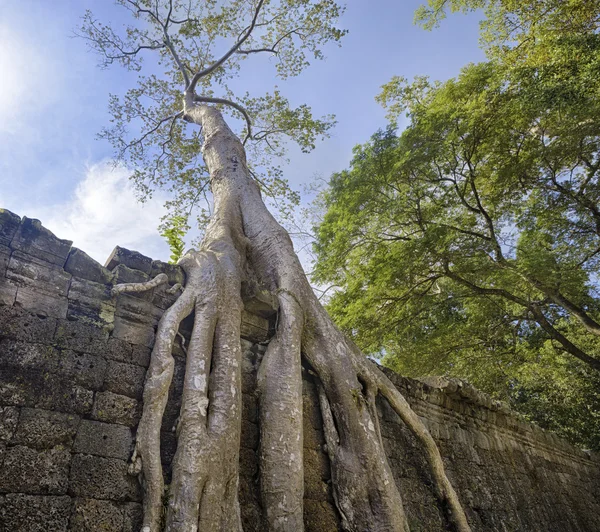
{"points": [[60, 394], [174, 273], [41, 303], [9, 416], [5, 253], [131, 259], [23, 356], [125, 379], [133, 332], [91, 302], [32, 238], [250, 408], [32, 513], [8, 292], [44, 429], [162, 299], [133, 515], [320, 517], [83, 368], [96, 516], [27, 470], [117, 350], [254, 328], [9, 224], [81, 265], [37, 274], [80, 337], [140, 355], [103, 439], [248, 462], [137, 310], [102, 478], [114, 408], [19, 324], [259, 301]]}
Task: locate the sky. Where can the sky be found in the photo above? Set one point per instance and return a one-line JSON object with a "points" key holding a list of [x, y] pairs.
{"points": [[53, 102]]}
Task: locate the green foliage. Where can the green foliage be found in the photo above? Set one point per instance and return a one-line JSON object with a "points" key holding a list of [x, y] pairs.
{"points": [[469, 245], [167, 41], [173, 229]]}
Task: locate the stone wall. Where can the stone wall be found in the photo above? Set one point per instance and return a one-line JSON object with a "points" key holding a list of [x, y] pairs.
{"points": [[72, 366]]}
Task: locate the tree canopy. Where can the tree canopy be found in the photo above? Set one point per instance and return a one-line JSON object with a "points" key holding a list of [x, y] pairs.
{"points": [[202, 47], [469, 243]]}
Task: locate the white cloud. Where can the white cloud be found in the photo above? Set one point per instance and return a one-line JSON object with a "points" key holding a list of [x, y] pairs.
{"points": [[104, 212]]}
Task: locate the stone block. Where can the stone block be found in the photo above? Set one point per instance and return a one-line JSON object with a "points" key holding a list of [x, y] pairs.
{"points": [[103, 439], [320, 517], [83, 368], [162, 299], [137, 310], [102, 478], [133, 515], [248, 462], [125, 379], [33, 513], [8, 292], [80, 337], [34, 239], [19, 324], [113, 408], [44, 429], [122, 351], [5, 253], [61, 394], [140, 355], [259, 301], [31, 471], [91, 302], [316, 462], [254, 328], [41, 303], [250, 408], [311, 411], [9, 224], [9, 416], [117, 350], [37, 274], [81, 265], [133, 332], [131, 259], [91, 515], [174, 273], [23, 356]]}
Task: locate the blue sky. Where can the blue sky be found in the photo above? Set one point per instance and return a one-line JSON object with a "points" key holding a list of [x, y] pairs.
{"points": [[53, 101]]}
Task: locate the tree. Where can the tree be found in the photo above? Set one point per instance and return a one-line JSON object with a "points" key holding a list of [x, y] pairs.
{"points": [[475, 232], [243, 244]]}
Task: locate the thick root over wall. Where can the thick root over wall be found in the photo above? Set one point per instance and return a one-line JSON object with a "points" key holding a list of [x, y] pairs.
{"points": [[245, 243]]}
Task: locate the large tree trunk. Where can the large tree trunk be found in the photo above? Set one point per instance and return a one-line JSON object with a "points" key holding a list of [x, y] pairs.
{"points": [[244, 242]]}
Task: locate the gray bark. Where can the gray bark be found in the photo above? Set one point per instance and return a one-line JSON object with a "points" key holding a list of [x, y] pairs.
{"points": [[243, 238]]}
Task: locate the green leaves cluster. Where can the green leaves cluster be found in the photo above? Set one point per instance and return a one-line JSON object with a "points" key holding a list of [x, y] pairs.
{"points": [[469, 244]]}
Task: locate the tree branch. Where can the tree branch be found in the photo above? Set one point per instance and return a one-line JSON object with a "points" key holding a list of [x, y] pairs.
{"points": [[191, 87], [224, 101]]}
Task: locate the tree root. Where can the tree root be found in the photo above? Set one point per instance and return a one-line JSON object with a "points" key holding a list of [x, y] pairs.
{"points": [[243, 239]]}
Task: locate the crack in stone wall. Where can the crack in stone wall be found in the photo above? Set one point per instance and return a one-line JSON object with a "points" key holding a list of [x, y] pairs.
{"points": [[72, 366]]}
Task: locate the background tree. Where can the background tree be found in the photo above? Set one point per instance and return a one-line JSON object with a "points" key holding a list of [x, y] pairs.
{"points": [[469, 244], [184, 143]]}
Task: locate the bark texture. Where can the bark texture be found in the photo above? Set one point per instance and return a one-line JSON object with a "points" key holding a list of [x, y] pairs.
{"points": [[245, 243]]}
